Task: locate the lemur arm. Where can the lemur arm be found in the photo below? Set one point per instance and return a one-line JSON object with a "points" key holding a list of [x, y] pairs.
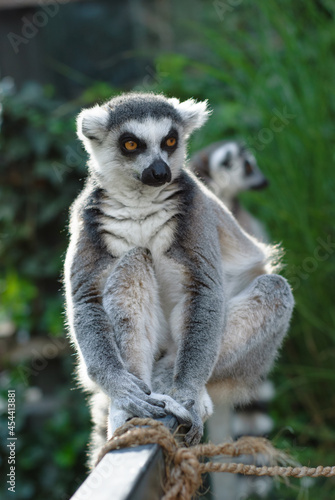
{"points": [[85, 268], [89, 323], [199, 321]]}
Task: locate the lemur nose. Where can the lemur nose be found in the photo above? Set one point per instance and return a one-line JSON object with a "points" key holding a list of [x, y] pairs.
{"points": [[262, 185], [157, 174]]}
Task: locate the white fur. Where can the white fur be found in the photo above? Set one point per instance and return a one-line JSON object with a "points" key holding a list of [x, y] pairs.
{"points": [[92, 122], [148, 226], [121, 177], [194, 114], [169, 276]]}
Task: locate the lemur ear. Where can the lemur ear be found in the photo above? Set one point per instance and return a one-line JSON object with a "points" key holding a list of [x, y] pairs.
{"points": [[92, 124], [194, 114]]}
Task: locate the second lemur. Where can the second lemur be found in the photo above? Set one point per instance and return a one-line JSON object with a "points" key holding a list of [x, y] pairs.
{"points": [[229, 168]]}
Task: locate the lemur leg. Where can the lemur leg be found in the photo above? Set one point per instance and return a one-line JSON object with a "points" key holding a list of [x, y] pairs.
{"points": [[131, 300], [257, 321]]}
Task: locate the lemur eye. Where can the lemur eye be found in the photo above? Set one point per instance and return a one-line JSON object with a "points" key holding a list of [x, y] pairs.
{"points": [[171, 141], [247, 168], [130, 145]]}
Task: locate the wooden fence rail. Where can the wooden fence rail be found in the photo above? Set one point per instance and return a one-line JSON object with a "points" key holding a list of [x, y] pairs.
{"points": [[128, 474]]}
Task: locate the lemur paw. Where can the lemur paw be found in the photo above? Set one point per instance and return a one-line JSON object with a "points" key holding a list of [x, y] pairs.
{"points": [[172, 407], [142, 406], [196, 431], [134, 397]]}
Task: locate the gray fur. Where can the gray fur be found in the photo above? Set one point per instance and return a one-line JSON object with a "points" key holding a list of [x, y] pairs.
{"points": [[137, 106], [165, 292]]}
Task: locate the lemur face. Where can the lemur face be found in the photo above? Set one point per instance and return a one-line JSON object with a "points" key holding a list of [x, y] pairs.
{"points": [[139, 139], [151, 151], [234, 169]]}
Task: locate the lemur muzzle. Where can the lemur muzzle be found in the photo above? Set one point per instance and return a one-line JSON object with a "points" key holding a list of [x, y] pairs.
{"points": [[157, 174]]}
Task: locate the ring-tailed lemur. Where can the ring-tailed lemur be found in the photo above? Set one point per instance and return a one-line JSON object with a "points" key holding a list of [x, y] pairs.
{"points": [[168, 299], [228, 168]]}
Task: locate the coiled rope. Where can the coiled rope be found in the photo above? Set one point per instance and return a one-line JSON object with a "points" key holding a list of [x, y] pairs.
{"points": [[184, 466]]}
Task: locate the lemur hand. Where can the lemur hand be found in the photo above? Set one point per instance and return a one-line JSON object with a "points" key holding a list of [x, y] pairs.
{"points": [[131, 394], [172, 407]]}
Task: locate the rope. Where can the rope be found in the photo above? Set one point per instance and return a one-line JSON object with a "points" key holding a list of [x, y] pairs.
{"points": [[184, 466]]}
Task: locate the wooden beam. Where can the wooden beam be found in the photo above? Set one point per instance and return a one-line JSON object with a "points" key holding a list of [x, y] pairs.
{"points": [[128, 474]]}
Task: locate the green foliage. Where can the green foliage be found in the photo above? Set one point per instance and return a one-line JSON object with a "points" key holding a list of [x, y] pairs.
{"points": [[41, 167], [50, 449], [37, 187]]}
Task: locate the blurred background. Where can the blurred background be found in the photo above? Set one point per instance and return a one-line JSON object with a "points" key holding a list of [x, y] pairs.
{"points": [[259, 64]]}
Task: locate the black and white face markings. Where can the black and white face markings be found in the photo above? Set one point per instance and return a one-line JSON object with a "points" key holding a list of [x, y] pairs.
{"points": [[229, 168], [234, 169], [151, 150], [158, 172], [140, 138]]}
